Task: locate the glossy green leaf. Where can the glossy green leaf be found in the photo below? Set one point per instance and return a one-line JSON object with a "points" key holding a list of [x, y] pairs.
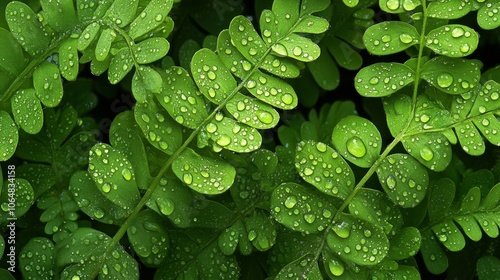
{"points": [[150, 18], [306, 265], [240, 66], [48, 84], [149, 237], [311, 24], [449, 9], [333, 176], [113, 175], [68, 59], [122, 12], [452, 40], [449, 234], [203, 174], [402, 272], [27, 110], [11, 54], [252, 112], [492, 199], [372, 206], [181, 98], [383, 79], [92, 202], [38, 254], [88, 36], [357, 140], [246, 39], [60, 14], [103, 46], [228, 240], [350, 234], [345, 55], [398, 6], [431, 149], [405, 244], [312, 6], [78, 256], [211, 76], [434, 256], [301, 209], [297, 47], [488, 268], [324, 71], [85, 11], [398, 112], [160, 130], [24, 198], [452, 75], [487, 16], [228, 134], [470, 227], [441, 198], [9, 136], [390, 37], [26, 28], [260, 230], [404, 180], [151, 50]]}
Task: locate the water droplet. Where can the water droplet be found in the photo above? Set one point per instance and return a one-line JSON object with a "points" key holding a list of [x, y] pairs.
{"points": [[127, 175], [343, 230], [336, 268], [145, 118], [426, 153], [223, 140], [211, 128], [392, 4], [391, 182], [457, 32], [445, 80], [465, 48], [405, 38], [374, 80], [265, 117], [252, 235], [287, 99], [386, 38], [297, 51], [356, 147], [310, 218], [290, 201], [280, 49], [106, 188], [187, 178]]}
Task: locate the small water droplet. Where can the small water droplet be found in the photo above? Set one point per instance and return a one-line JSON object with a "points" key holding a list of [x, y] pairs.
{"points": [[187, 178]]}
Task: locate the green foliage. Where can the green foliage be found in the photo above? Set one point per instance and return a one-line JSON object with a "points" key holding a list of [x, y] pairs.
{"points": [[209, 173]]}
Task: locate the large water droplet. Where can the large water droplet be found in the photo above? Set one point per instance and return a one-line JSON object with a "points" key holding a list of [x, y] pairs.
{"points": [[280, 49], [391, 182], [426, 153], [343, 230], [356, 147], [405, 38], [457, 32], [187, 178], [290, 201], [392, 4], [265, 117], [127, 175], [444, 80]]}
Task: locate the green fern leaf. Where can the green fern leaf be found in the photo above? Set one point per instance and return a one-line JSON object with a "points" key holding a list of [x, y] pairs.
{"points": [[26, 28], [301, 209], [122, 12], [27, 110], [486, 15], [150, 18], [361, 146], [452, 40], [203, 174], [186, 106], [113, 175], [9, 136], [383, 79], [149, 238], [451, 9], [41, 267], [379, 41], [48, 84], [345, 240], [11, 55], [68, 59], [404, 180], [79, 259], [451, 75], [337, 183], [60, 14], [25, 197]]}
